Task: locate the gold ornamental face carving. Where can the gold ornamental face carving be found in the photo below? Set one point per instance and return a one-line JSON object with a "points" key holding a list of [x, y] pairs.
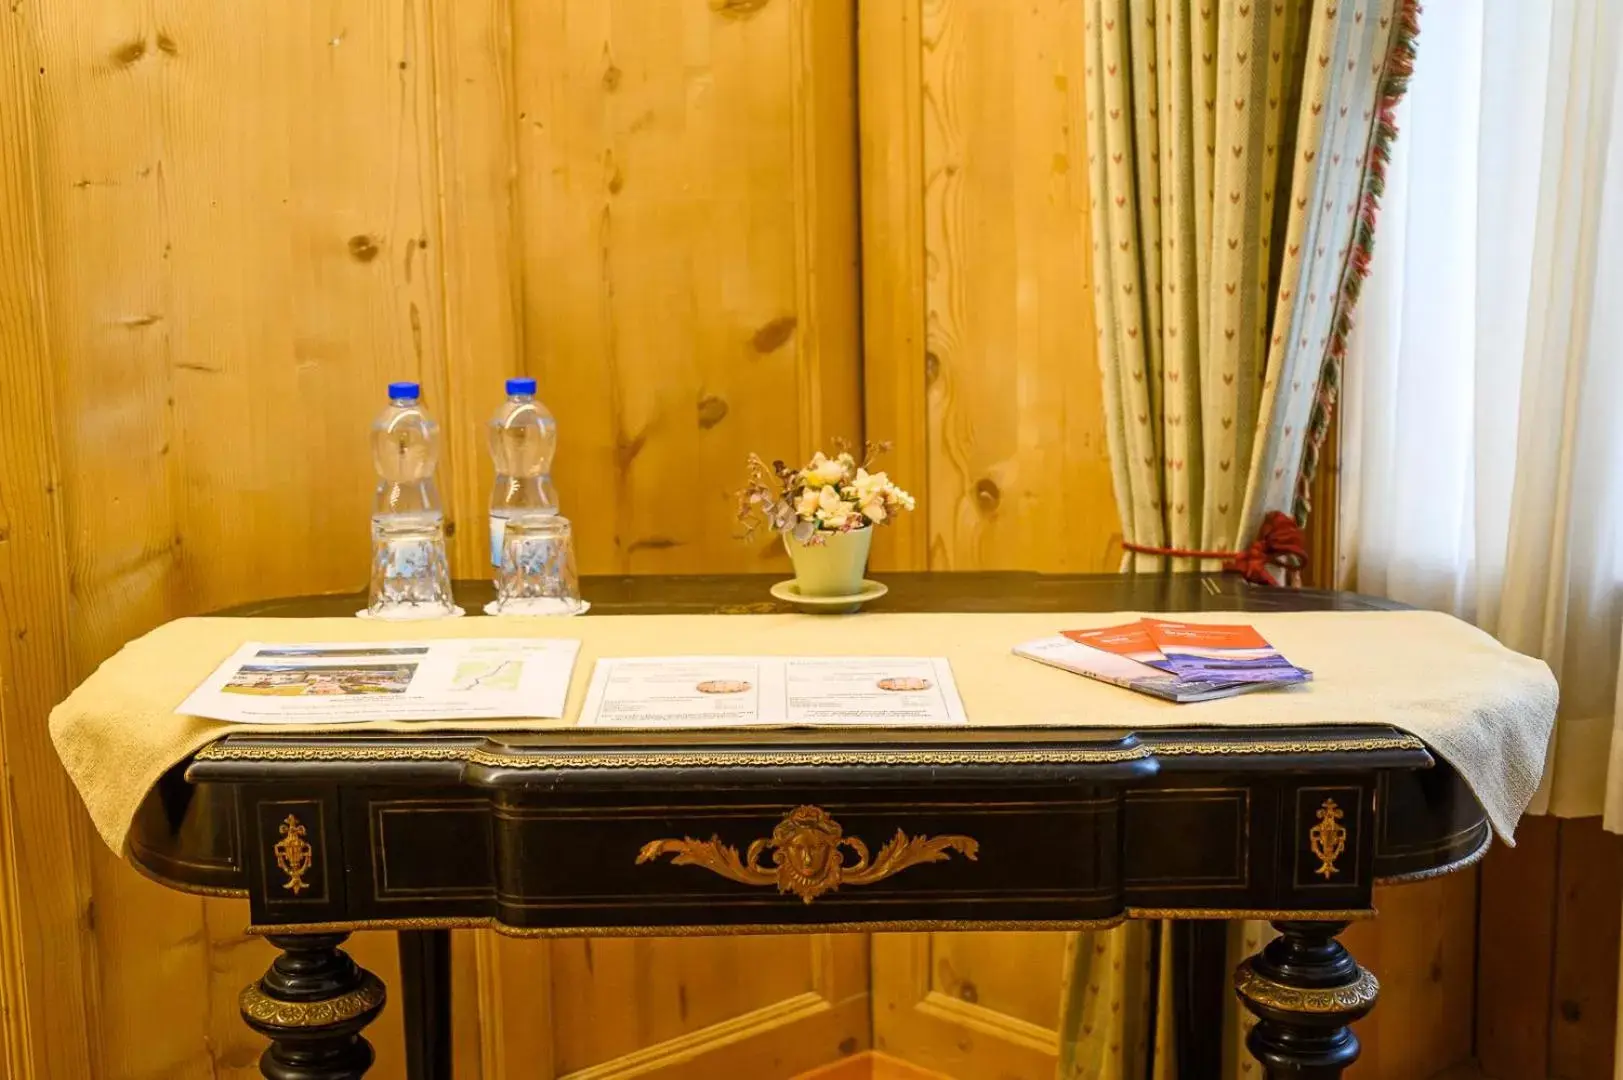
{"points": [[1328, 838], [809, 855], [293, 855]]}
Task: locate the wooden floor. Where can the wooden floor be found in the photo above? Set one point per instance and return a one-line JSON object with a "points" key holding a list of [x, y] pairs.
{"points": [[871, 1065]]}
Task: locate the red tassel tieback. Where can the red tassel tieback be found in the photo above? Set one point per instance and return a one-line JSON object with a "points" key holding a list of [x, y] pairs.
{"points": [[1279, 543]]}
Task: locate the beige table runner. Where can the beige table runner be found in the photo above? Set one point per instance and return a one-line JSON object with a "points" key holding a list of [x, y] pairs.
{"points": [[1487, 710]]}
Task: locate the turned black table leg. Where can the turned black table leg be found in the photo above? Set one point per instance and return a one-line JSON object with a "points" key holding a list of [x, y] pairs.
{"points": [[1305, 989], [425, 985], [1200, 988], [312, 1005]]}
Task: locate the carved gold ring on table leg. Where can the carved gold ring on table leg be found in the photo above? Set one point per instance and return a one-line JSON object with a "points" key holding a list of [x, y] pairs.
{"points": [[807, 855], [1328, 838]]}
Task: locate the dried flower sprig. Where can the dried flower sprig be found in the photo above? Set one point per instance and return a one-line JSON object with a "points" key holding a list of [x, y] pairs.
{"points": [[828, 495]]}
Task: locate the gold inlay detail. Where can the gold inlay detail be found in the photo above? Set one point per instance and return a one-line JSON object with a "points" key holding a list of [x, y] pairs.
{"points": [[1438, 871], [1328, 839], [633, 759], [260, 1007], [1337, 745], [293, 855], [687, 930], [1262, 914], [808, 855], [1353, 997], [621, 758]]}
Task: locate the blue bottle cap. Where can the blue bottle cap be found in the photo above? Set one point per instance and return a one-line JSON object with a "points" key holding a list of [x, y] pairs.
{"points": [[404, 391], [520, 386]]}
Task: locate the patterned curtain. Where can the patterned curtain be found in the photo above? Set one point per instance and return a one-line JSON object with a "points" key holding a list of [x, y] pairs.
{"points": [[1236, 150]]}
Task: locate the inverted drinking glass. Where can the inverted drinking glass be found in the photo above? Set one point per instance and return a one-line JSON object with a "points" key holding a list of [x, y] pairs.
{"points": [[537, 573]]}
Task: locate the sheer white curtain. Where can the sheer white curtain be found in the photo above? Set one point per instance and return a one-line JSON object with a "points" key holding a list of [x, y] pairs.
{"points": [[1483, 405]]}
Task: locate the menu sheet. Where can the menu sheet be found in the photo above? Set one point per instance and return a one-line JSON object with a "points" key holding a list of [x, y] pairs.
{"points": [[782, 691], [351, 682]]}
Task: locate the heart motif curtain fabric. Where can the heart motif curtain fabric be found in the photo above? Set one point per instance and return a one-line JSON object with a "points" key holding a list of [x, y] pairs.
{"points": [[1235, 154], [1230, 148]]}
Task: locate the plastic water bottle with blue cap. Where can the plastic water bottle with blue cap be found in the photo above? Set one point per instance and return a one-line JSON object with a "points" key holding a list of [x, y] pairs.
{"points": [[411, 577], [531, 543], [523, 439]]}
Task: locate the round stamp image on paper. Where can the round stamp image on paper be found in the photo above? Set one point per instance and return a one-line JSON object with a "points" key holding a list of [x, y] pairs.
{"points": [[905, 683], [723, 686]]}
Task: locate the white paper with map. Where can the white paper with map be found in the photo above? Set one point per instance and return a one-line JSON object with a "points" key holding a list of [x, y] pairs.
{"points": [[350, 682], [793, 691]]}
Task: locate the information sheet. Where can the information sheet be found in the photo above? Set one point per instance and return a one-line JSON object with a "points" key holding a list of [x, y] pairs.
{"points": [[735, 691], [459, 679]]}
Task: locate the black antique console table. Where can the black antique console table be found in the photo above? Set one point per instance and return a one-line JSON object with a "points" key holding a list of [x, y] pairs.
{"points": [[716, 833]]}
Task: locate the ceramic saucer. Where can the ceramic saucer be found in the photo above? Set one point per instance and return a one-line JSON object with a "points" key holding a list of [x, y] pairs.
{"points": [[789, 593]]}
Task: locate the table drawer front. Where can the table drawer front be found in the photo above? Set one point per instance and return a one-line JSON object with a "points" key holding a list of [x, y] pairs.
{"points": [[805, 861], [295, 854], [1291, 846]]}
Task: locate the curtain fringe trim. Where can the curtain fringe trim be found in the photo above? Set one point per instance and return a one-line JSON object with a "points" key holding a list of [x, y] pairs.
{"points": [[1398, 69]]}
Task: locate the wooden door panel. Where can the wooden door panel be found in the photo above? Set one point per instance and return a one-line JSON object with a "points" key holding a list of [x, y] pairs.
{"points": [[1017, 975], [616, 997], [928, 1008], [672, 1008]]}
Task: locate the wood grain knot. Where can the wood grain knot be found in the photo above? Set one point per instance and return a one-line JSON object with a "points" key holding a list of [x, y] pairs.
{"points": [[987, 495], [737, 9], [932, 368], [363, 248], [166, 45], [611, 78], [771, 336], [129, 53], [712, 411]]}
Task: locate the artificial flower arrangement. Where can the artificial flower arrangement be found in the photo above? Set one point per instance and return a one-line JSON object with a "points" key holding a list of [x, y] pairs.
{"points": [[829, 495]]}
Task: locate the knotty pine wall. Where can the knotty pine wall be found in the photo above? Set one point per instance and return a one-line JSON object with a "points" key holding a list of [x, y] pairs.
{"points": [[222, 228]]}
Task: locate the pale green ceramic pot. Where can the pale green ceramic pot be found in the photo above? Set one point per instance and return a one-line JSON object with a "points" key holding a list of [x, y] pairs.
{"points": [[833, 567]]}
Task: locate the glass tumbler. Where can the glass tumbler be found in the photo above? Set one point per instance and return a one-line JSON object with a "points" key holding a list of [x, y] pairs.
{"points": [[411, 577], [537, 573]]}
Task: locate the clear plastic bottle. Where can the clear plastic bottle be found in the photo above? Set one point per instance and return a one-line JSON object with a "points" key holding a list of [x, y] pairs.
{"points": [[410, 573], [523, 439]]}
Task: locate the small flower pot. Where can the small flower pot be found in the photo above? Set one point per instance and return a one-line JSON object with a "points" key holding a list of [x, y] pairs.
{"points": [[835, 566]]}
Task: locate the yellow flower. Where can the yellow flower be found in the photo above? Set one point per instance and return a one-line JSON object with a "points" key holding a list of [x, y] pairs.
{"points": [[823, 470]]}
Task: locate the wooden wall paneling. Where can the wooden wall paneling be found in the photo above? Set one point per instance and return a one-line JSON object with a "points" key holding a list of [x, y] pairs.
{"points": [[16, 1038], [1009, 395], [928, 1008], [239, 213], [1584, 983], [1516, 952], [687, 242], [44, 836], [307, 138], [1423, 949], [102, 213], [478, 238], [895, 367], [1019, 475], [687, 186]]}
